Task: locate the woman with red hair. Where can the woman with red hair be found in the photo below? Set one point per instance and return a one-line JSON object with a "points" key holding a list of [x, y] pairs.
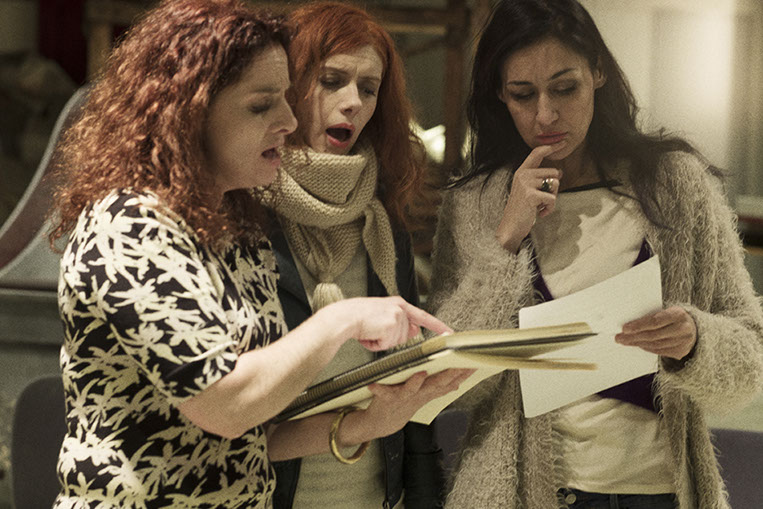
{"points": [[168, 286], [347, 177]]}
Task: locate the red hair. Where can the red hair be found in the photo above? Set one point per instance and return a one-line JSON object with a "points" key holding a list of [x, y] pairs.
{"points": [[329, 28], [142, 126]]}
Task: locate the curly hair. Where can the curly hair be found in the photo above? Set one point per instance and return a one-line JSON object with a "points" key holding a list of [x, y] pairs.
{"points": [[142, 125], [329, 28]]}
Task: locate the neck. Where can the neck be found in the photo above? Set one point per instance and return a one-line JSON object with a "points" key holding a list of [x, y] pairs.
{"points": [[578, 169]]}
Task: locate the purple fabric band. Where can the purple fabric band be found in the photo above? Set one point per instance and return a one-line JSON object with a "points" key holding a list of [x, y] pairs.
{"points": [[637, 391]]}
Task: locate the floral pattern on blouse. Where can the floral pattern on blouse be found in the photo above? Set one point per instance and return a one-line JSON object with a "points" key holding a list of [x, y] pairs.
{"points": [[151, 318]]}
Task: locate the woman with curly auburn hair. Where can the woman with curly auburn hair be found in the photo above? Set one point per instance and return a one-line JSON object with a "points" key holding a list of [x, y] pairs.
{"points": [[348, 174], [168, 285]]}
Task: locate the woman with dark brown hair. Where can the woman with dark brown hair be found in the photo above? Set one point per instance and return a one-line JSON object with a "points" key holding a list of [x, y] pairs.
{"points": [[564, 191], [348, 174], [168, 286]]}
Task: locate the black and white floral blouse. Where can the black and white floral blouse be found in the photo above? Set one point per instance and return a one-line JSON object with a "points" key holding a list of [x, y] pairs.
{"points": [[151, 318]]}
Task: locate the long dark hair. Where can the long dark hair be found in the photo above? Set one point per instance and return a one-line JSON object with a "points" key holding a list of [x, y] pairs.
{"points": [[613, 135]]}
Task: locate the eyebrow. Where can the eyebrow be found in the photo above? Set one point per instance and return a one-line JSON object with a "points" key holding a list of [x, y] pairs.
{"points": [[265, 90], [340, 70], [556, 75]]}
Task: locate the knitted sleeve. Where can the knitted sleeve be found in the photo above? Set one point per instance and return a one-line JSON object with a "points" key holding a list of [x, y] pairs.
{"points": [[476, 283], [726, 369]]}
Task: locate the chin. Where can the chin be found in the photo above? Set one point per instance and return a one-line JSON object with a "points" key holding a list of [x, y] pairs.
{"points": [[558, 156], [265, 177]]}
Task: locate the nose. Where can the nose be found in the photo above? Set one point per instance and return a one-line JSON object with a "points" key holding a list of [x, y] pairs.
{"points": [[286, 122], [350, 101], [547, 113]]}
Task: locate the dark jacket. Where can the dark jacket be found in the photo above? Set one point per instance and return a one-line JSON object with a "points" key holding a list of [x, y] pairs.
{"points": [[413, 460]]}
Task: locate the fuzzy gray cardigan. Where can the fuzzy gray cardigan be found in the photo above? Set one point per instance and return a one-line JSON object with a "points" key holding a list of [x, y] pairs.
{"points": [[511, 462]]}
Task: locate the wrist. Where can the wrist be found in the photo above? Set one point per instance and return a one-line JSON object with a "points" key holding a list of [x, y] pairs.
{"points": [[354, 430], [335, 323], [508, 241], [336, 443]]}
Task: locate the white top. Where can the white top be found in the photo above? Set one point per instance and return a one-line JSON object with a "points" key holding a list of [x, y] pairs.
{"points": [[609, 446], [323, 481]]}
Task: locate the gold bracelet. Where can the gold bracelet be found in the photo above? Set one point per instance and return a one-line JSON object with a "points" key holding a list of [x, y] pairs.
{"points": [[332, 439]]}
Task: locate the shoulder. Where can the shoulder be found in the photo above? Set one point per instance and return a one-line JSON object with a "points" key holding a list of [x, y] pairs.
{"points": [[686, 180], [140, 209], [126, 204], [127, 218], [481, 192], [402, 239], [682, 170]]}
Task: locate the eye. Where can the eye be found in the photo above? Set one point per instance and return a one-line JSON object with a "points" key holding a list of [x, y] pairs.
{"points": [[566, 90], [259, 108], [330, 82], [521, 96], [369, 91]]}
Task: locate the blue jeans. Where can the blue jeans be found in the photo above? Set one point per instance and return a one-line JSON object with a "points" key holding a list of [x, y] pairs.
{"points": [[576, 499]]}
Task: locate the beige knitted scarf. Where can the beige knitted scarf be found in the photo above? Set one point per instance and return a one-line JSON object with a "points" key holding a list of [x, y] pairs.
{"points": [[327, 205]]}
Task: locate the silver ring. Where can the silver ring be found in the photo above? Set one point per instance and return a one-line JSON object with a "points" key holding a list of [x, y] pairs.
{"points": [[545, 186]]}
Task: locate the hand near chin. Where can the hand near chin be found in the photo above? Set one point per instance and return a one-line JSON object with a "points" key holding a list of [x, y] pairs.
{"points": [[533, 194], [670, 332]]}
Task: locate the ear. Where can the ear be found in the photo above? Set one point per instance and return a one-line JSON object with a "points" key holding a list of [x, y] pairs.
{"points": [[500, 95], [599, 78]]}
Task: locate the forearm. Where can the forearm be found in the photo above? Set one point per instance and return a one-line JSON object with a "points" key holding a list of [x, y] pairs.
{"points": [[490, 291], [308, 436], [266, 380], [390, 409]]}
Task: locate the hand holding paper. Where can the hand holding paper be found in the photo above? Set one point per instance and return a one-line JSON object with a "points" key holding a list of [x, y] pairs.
{"points": [[669, 332], [606, 307]]}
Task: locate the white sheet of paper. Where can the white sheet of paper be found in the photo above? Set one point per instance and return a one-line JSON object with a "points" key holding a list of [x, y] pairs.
{"points": [[606, 306]]}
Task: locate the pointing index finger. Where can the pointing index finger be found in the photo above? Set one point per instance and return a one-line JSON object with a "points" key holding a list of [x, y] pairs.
{"points": [[421, 318], [538, 154]]}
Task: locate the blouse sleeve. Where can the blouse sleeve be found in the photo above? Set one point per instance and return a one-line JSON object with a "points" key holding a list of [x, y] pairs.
{"points": [[139, 273]]}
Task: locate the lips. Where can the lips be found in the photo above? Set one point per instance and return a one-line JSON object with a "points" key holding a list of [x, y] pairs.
{"points": [[340, 135], [551, 138], [272, 156]]}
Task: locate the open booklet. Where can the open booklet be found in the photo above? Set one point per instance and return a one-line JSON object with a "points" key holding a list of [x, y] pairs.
{"points": [[487, 351], [549, 379]]}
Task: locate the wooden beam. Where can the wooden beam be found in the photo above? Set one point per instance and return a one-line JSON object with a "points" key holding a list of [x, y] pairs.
{"points": [[453, 89], [115, 12], [394, 19], [101, 16], [98, 46]]}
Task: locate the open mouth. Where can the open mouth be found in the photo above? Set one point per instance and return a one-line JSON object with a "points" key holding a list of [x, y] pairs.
{"points": [[341, 134], [270, 153]]}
